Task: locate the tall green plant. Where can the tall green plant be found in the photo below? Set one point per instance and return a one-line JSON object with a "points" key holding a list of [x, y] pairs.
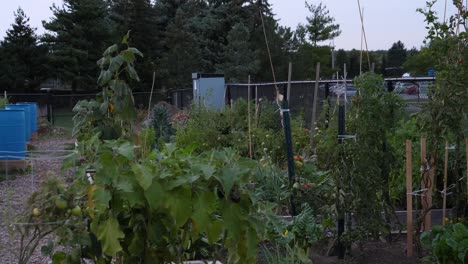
{"points": [[447, 110], [3, 102], [360, 166], [113, 112]]}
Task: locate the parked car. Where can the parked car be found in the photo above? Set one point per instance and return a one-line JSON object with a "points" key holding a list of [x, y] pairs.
{"points": [[340, 88], [406, 88]]}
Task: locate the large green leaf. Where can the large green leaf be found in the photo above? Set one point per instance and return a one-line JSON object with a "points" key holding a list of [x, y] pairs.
{"points": [[144, 175], [180, 203], [460, 231], [109, 233], [101, 196], [214, 232], [155, 195], [228, 177], [110, 50], [126, 149], [204, 205], [116, 63]]}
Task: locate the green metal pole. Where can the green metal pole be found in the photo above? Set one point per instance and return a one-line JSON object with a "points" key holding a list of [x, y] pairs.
{"points": [[289, 150]]}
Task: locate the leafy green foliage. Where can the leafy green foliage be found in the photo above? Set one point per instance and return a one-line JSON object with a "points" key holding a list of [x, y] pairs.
{"points": [[169, 199], [448, 244], [113, 111], [447, 111], [3, 102], [212, 130], [161, 124], [359, 168], [293, 239]]}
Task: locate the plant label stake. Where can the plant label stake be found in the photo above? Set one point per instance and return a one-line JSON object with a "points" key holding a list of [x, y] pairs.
{"points": [[314, 105], [409, 200], [341, 139], [289, 146], [444, 203]]}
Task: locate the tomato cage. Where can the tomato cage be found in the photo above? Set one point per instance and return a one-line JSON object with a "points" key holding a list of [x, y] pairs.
{"points": [[21, 175]]}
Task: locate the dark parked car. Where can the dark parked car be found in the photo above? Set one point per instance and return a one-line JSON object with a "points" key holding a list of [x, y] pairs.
{"points": [[406, 88]]}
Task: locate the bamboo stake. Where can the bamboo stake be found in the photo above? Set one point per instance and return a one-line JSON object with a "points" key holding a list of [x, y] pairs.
{"points": [[361, 14], [466, 144], [314, 104], [409, 200], [256, 107], [362, 39], [249, 118], [430, 190], [424, 203], [288, 94], [444, 203]]}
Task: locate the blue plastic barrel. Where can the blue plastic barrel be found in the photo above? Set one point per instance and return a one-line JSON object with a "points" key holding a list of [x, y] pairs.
{"points": [[33, 114], [12, 134], [27, 117]]}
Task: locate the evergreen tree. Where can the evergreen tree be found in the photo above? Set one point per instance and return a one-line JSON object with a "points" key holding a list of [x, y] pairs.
{"points": [[138, 17], [22, 59], [183, 55], [78, 33], [239, 59], [396, 56], [320, 25]]}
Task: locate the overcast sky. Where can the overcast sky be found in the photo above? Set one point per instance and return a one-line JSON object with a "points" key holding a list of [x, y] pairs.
{"points": [[385, 21]]}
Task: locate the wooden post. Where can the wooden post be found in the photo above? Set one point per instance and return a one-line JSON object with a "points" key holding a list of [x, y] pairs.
{"points": [[466, 145], [444, 203], [249, 118], [314, 104], [409, 200], [424, 178], [288, 94]]}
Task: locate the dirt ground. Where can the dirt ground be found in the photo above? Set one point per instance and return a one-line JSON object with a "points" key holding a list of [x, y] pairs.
{"points": [[17, 186], [373, 252]]}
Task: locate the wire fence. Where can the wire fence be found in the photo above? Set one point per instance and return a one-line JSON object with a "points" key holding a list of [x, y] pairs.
{"points": [[413, 90]]}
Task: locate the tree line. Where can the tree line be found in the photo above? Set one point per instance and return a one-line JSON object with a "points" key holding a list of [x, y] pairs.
{"points": [[178, 37]]}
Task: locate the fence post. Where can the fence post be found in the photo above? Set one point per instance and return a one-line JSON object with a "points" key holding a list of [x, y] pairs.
{"points": [[314, 105]]}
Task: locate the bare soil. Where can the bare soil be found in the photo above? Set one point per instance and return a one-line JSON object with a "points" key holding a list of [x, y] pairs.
{"points": [[372, 252]]}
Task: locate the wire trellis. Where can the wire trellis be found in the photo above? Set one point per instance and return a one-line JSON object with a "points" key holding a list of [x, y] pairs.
{"points": [[18, 183]]}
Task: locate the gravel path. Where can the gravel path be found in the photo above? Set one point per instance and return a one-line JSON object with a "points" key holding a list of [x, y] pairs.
{"points": [[16, 188]]}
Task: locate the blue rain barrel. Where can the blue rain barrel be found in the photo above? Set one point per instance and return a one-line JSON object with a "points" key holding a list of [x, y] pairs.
{"points": [[27, 117], [33, 114], [12, 134]]}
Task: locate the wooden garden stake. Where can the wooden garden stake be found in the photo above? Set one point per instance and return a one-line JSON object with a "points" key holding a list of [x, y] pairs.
{"points": [[424, 186], [444, 203], [248, 113], [409, 200], [314, 104], [288, 92], [466, 144]]}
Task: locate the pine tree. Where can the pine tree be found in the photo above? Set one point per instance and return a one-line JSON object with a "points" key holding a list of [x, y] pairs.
{"points": [[22, 59], [77, 35], [138, 17], [396, 56], [239, 60], [320, 25]]}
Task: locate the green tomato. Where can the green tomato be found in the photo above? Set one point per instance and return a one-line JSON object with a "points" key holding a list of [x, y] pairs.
{"points": [[60, 203], [76, 211], [36, 212]]}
